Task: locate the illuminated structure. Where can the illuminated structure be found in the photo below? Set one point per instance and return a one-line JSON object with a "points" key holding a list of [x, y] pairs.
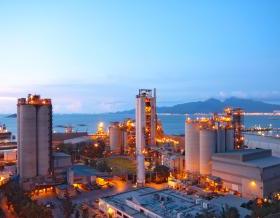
{"points": [[206, 136], [34, 134], [237, 120], [100, 133], [145, 128]]}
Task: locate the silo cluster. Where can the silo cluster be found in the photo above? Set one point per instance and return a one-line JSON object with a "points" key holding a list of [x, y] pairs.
{"points": [[34, 117], [203, 138]]}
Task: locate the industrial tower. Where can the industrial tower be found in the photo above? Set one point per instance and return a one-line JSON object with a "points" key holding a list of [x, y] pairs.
{"points": [[145, 128]]}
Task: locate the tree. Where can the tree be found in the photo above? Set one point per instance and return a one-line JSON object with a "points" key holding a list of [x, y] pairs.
{"points": [[103, 166], [23, 205], [85, 213], [77, 214], [229, 212], [162, 173], [68, 207]]}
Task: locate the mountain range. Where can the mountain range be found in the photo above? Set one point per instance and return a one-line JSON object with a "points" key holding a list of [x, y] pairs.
{"points": [[214, 105]]}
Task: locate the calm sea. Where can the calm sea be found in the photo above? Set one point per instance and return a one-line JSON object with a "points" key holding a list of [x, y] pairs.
{"points": [[172, 124]]}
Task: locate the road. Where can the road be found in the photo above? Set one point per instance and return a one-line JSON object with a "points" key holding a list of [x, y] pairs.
{"points": [[84, 196]]}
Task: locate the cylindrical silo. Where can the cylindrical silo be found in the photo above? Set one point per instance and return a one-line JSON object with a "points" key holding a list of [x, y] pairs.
{"points": [[115, 137], [125, 145], [221, 140], [192, 147], [208, 141], [229, 139]]}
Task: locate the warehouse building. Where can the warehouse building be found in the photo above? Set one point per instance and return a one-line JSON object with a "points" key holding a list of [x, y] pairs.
{"points": [[251, 172]]}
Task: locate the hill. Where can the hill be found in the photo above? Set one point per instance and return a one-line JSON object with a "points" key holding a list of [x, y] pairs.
{"points": [[214, 105]]}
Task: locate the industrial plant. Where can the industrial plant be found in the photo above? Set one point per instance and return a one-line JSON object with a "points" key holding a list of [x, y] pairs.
{"points": [[212, 162]]}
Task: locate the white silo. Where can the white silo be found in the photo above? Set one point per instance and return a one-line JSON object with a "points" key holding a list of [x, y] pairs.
{"points": [[221, 140], [208, 142], [229, 139], [192, 147], [115, 137]]}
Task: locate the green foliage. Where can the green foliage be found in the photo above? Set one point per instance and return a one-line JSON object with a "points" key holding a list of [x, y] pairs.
{"points": [[121, 166], [2, 214], [85, 213], [92, 151], [67, 207], [266, 209], [102, 166], [23, 205], [162, 173]]}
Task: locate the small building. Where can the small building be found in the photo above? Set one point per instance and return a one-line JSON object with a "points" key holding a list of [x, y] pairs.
{"points": [[250, 172], [65, 190], [68, 137], [82, 174], [61, 163]]}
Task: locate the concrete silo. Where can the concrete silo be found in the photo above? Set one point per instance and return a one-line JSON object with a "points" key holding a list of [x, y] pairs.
{"points": [[192, 147], [229, 139], [221, 140], [34, 119], [208, 142], [115, 137]]}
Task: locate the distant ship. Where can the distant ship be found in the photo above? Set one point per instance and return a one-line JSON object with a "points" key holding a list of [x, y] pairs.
{"points": [[4, 133]]}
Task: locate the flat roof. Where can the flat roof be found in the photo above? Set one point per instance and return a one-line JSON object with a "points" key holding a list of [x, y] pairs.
{"points": [[260, 158], [62, 136], [264, 162], [83, 170], [165, 203]]}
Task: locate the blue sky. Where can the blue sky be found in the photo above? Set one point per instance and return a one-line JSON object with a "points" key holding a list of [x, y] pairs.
{"points": [[92, 56]]}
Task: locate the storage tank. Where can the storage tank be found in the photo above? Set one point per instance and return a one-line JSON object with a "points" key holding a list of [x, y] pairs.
{"points": [[221, 140], [208, 142], [229, 139], [115, 137], [192, 147], [44, 135]]}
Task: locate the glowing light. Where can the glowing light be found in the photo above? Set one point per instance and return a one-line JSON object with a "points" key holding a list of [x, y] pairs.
{"points": [[253, 183], [110, 211]]}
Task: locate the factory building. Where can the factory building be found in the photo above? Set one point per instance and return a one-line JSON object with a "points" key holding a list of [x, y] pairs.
{"points": [[250, 172], [34, 134], [145, 128]]}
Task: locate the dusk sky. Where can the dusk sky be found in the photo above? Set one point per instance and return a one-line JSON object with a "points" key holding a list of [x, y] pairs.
{"points": [[93, 56]]}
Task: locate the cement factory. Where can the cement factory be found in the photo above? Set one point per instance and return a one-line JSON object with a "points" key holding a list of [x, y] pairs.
{"points": [[211, 163]]}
